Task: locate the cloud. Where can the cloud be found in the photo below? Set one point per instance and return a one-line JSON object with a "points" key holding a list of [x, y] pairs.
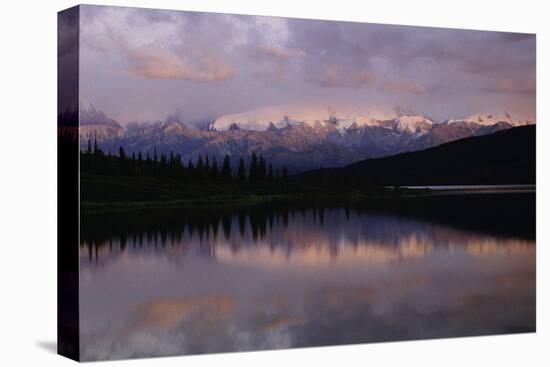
{"points": [[158, 63], [334, 76], [513, 87], [156, 44], [272, 62], [249, 62], [404, 86], [281, 53]]}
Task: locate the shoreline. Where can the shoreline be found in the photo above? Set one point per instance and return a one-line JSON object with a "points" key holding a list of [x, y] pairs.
{"points": [[387, 194]]}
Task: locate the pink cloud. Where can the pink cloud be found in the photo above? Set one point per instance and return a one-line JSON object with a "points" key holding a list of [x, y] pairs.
{"points": [[403, 86], [158, 63], [280, 52], [513, 87], [336, 76]]}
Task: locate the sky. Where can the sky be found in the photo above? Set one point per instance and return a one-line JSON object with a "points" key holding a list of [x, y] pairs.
{"points": [[140, 65]]}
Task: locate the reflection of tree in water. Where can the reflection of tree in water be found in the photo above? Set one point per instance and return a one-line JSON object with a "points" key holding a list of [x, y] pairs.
{"points": [[158, 229], [244, 226]]}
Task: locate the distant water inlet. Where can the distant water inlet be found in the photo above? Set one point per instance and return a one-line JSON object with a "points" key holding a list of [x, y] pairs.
{"points": [[168, 283], [485, 189]]}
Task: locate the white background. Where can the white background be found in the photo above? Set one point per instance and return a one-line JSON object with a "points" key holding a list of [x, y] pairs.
{"points": [[28, 182]]}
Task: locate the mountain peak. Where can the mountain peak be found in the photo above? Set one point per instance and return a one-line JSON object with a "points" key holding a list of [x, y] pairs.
{"points": [[490, 118], [89, 115], [234, 127], [282, 116], [272, 127], [415, 124]]}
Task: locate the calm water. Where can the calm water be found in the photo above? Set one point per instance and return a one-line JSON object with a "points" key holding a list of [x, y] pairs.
{"points": [[478, 189], [165, 283]]}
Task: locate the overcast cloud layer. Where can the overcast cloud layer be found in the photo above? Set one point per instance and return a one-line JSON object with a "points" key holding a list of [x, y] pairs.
{"points": [[144, 65]]}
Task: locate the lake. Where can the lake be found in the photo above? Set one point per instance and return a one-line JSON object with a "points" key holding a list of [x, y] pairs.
{"points": [[170, 282]]}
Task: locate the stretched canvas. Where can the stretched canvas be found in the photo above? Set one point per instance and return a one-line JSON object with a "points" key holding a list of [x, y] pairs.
{"points": [[235, 183]]}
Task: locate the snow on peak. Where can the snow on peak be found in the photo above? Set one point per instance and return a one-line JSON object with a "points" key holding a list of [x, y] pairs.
{"points": [[312, 116], [413, 124], [89, 115], [493, 118], [347, 118]]}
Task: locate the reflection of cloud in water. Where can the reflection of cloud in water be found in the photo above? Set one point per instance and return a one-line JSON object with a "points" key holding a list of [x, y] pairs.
{"points": [[168, 313], [353, 279]]}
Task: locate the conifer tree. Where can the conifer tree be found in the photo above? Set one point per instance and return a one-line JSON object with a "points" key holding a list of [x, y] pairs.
{"points": [[199, 167], [253, 169], [190, 167], [241, 175], [226, 167], [214, 170], [261, 168], [270, 172], [285, 173], [206, 167]]}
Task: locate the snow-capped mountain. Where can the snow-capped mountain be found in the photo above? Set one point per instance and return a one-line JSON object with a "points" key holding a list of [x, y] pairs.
{"points": [[416, 124], [96, 125], [488, 119], [89, 115], [319, 116], [300, 138]]}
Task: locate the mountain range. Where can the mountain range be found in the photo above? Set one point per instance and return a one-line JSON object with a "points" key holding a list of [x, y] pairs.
{"points": [[300, 138]]}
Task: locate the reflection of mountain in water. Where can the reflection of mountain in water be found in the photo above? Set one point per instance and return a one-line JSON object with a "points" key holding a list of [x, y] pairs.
{"points": [[309, 236], [287, 275]]}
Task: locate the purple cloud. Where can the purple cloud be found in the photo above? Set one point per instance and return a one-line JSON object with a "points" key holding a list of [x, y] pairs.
{"points": [[208, 65]]}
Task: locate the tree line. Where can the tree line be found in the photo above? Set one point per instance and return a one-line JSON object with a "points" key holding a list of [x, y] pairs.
{"points": [[94, 160]]}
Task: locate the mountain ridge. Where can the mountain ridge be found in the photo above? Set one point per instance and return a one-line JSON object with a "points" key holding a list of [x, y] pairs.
{"points": [[479, 160], [300, 145]]}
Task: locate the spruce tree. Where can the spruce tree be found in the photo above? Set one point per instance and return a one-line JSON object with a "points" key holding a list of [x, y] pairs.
{"points": [[270, 172], [190, 168], [241, 175], [214, 169], [199, 168], [253, 169], [261, 168], [226, 167], [206, 167]]}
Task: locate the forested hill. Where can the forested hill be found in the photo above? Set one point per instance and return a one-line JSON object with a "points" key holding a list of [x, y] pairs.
{"points": [[504, 157]]}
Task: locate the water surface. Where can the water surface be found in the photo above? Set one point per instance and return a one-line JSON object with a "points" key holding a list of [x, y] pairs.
{"points": [[154, 284]]}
